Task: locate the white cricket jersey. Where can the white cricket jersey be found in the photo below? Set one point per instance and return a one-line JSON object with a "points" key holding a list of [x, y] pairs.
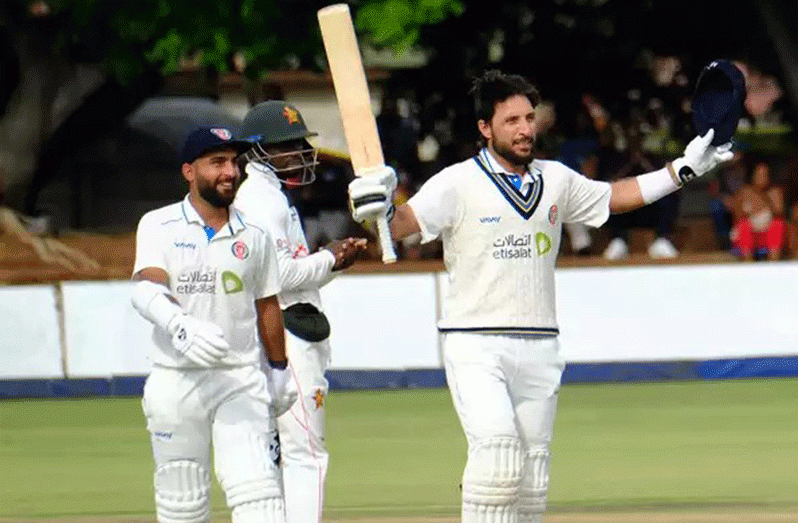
{"points": [[301, 274], [216, 279], [500, 243]]}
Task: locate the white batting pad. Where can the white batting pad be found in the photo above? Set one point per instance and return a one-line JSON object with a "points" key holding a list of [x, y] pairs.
{"points": [[534, 487], [182, 493], [245, 467], [263, 511], [492, 481]]}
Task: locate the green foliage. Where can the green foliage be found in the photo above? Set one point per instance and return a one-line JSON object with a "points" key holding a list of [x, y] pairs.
{"points": [[397, 23], [131, 35]]}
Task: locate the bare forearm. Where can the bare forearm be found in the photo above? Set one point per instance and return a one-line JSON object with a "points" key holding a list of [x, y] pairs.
{"points": [[404, 223], [625, 196], [270, 328]]}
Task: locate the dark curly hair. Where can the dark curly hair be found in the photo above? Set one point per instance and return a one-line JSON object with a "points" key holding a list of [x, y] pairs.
{"points": [[495, 86]]}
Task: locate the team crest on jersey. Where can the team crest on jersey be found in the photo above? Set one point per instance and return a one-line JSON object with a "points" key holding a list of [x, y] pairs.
{"points": [[290, 114], [240, 250], [222, 133], [553, 214], [319, 397]]}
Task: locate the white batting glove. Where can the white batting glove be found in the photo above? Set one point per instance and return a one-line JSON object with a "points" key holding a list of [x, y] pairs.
{"points": [[282, 388], [700, 157], [371, 193], [200, 341]]}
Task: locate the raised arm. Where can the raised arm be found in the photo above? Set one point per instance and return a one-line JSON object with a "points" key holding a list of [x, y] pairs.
{"points": [[700, 157]]}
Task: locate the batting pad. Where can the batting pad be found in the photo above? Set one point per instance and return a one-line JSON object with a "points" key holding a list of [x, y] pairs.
{"points": [[263, 511], [492, 481], [245, 468], [535, 486], [182, 493]]}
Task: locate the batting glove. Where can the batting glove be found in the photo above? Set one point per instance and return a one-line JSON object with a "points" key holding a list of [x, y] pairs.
{"points": [[282, 388], [200, 341], [371, 193], [700, 157]]}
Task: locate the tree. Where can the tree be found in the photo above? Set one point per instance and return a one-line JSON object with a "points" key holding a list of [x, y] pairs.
{"points": [[71, 70]]}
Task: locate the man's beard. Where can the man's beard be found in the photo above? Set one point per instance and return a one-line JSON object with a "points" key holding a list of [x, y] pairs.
{"points": [[212, 196], [513, 158]]}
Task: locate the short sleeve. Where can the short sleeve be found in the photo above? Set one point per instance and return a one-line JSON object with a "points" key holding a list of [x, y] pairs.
{"points": [[150, 251], [267, 277], [588, 201], [436, 204]]}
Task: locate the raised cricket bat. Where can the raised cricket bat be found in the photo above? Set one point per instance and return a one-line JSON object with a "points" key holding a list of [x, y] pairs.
{"points": [[354, 102]]}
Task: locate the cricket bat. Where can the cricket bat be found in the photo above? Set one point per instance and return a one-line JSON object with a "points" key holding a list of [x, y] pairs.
{"points": [[354, 102]]}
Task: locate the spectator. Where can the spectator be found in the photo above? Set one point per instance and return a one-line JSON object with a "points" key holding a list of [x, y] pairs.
{"points": [[790, 182], [323, 205], [722, 189], [759, 228], [659, 215], [578, 152], [792, 232]]}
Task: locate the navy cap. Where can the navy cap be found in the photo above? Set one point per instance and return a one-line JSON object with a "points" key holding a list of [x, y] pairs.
{"points": [[206, 139], [718, 100]]}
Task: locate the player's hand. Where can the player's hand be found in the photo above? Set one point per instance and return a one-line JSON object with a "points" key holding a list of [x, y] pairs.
{"points": [[282, 388], [345, 251], [200, 341], [700, 157], [371, 193]]}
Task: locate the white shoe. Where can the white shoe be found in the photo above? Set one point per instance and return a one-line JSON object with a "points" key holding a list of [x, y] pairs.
{"points": [[616, 250], [662, 248]]}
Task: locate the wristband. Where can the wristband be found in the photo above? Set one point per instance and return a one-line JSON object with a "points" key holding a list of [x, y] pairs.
{"points": [[279, 364], [656, 184]]}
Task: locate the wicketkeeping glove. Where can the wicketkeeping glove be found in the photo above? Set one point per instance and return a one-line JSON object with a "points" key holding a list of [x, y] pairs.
{"points": [[700, 157], [200, 341], [371, 193], [282, 389]]}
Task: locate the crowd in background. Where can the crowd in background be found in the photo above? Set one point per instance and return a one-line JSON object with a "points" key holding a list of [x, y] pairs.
{"points": [[752, 202]]}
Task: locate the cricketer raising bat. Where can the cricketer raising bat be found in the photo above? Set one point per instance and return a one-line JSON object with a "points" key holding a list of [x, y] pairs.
{"points": [[354, 102]]}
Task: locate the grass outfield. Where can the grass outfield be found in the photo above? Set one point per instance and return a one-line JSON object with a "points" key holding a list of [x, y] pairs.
{"points": [[705, 446]]}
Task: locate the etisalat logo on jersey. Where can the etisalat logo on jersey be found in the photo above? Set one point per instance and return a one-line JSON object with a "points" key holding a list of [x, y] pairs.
{"points": [[203, 281], [511, 246]]}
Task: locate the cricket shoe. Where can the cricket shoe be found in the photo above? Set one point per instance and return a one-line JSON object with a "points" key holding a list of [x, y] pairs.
{"points": [[616, 250]]}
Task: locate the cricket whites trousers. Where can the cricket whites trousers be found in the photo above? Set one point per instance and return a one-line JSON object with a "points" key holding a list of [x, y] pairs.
{"points": [[226, 410], [504, 389], [302, 431]]}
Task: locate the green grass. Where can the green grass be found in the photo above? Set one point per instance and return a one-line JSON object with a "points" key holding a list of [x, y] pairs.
{"points": [[402, 452]]}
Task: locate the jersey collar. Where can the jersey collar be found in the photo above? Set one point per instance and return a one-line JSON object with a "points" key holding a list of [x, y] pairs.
{"points": [[260, 171], [525, 203], [494, 166], [234, 225]]}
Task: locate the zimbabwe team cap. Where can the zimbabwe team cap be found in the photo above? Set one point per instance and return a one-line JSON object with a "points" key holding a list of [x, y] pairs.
{"points": [[273, 122], [718, 100], [206, 139]]}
